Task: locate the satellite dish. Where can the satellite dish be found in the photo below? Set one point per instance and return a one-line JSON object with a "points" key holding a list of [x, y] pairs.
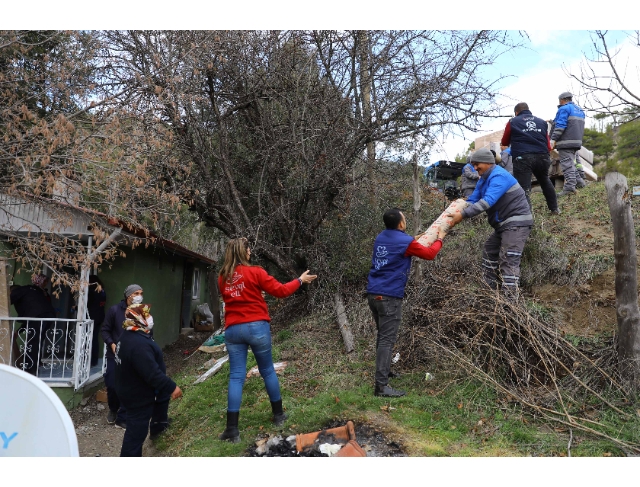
{"points": [[33, 420]]}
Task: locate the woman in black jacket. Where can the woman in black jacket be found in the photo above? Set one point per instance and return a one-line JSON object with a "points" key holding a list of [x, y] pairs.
{"points": [[141, 380]]}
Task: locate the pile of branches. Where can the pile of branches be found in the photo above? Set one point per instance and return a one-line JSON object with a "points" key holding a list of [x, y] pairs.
{"points": [[517, 351]]}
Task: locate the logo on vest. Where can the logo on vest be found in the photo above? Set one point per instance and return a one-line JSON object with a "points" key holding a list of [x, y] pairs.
{"points": [[381, 253], [531, 127]]}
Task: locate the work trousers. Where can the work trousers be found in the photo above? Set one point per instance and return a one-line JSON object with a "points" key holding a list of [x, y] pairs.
{"points": [[572, 178], [387, 313], [138, 425], [538, 165], [112, 397], [501, 259]]}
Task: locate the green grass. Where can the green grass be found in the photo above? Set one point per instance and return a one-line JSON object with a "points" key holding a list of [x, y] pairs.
{"points": [[446, 416], [452, 415]]}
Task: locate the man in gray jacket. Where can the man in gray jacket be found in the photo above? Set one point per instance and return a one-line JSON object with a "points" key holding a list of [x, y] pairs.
{"points": [[566, 136], [501, 197]]}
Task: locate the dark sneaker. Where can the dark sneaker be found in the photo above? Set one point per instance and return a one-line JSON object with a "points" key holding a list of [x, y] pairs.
{"points": [[556, 212], [111, 417], [388, 391], [566, 193], [121, 425], [393, 375]]}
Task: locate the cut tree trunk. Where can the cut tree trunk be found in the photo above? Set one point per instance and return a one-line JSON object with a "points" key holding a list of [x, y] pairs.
{"points": [[624, 246], [343, 324]]}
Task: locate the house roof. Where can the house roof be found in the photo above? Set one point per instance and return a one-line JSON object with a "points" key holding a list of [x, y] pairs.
{"points": [[30, 214]]}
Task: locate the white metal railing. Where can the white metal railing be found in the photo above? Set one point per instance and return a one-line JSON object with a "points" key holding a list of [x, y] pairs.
{"points": [[58, 351]]}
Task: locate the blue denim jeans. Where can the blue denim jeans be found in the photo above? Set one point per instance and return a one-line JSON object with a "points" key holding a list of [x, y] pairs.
{"points": [[238, 338]]}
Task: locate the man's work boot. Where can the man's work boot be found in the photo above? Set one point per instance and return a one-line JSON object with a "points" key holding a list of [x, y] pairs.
{"points": [[231, 432], [388, 391], [279, 416]]}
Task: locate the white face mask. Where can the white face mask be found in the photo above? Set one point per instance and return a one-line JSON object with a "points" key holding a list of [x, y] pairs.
{"points": [[136, 300], [150, 322]]}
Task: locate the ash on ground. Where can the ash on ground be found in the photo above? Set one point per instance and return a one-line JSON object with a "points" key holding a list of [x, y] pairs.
{"points": [[372, 441]]}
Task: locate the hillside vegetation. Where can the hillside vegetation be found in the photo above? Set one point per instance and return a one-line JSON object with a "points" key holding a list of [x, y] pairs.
{"points": [[481, 401]]}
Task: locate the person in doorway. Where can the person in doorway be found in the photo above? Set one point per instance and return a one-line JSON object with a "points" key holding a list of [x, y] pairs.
{"points": [[247, 324], [529, 140], [111, 331], [499, 194], [141, 380], [566, 136], [506, 159], [96, 300], [31, 302], [390, 268]]}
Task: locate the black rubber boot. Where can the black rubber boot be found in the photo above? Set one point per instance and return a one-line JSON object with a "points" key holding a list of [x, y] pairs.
{"points": [[231, 432], [279, 416]]}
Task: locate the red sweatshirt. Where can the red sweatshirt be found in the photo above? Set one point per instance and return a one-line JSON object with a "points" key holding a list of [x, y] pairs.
{"points": [[242, 294], [416, 249]]}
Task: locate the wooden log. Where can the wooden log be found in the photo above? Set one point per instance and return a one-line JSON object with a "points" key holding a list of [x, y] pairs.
{"points": [[218, 365], [343, 324], [443, 222], [626, 283]]}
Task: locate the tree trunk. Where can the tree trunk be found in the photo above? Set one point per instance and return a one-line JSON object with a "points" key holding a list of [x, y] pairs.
{"points": [[417, 202], [624, 246], [365, 91], [343, 324], [214, 297]]}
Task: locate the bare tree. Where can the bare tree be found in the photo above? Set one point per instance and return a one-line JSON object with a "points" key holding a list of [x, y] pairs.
{"points": [[65, 148], [269, 126], [609, 81]]}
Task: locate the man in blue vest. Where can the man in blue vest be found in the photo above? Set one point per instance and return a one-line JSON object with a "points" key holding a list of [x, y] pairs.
{"points": [[499, 194], [390, 267], [530, 147], [566, 136]]}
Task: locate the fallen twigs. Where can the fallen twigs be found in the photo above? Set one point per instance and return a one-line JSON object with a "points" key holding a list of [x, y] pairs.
{"points": [[517, 352]]}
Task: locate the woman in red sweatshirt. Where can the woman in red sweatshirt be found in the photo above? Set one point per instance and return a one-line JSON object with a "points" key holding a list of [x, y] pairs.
{"points": [[247, 325]]}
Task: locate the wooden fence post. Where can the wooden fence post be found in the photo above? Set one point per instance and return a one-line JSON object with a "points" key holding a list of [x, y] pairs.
{"points": [[626, 262]]}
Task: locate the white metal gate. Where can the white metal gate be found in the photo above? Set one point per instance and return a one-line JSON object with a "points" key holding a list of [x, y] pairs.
{"points": [[57, 351]]}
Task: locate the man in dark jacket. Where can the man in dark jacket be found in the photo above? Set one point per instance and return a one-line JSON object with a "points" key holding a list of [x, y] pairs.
{"points": [[530, 147], [499, 194], [111, 332], [566, 137], [141, 381], [31, 302], [390, 267]]}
